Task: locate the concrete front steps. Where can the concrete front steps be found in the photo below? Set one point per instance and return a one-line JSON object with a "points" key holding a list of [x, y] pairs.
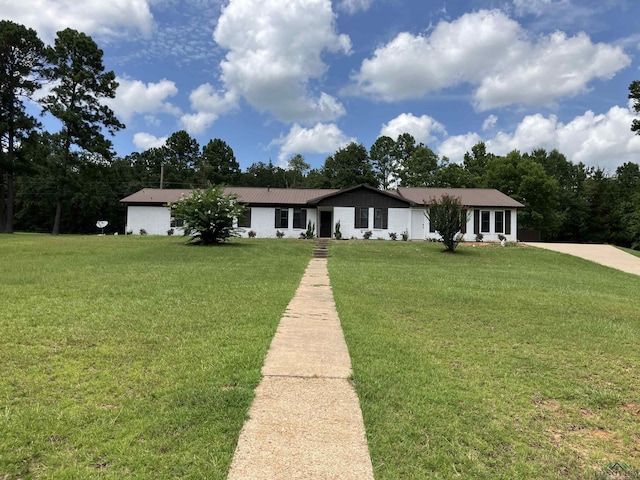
{"points": [[321, 249]]}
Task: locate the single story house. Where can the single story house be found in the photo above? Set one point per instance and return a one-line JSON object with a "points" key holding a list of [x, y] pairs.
{"points": [[359, 209]]}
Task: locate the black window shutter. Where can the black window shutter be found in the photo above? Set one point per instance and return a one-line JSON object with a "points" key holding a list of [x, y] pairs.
{"points": [[507, 222], [476, 222]]}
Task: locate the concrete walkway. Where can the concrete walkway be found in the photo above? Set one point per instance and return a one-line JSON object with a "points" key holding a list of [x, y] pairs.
{"points": [[305, 421], [603, 254]]}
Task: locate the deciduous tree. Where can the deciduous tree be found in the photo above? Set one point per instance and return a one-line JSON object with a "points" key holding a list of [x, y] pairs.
{"points": [[349, 167], [383, 160]]}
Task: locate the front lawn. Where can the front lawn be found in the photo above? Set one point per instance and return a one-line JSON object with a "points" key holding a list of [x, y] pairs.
{"points": [[134, 357], [491, 363]]}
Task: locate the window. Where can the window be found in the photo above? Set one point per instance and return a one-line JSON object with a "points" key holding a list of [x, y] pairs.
{"points": [[380, 218], [485, 224], [244, 220], [282, 218], [362, 217], [499, 221], [299, 218], [177, 223]]}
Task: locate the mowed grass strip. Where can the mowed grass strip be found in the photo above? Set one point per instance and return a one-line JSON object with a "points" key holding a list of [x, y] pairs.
{"points": [[134, 356], [492, 363]]}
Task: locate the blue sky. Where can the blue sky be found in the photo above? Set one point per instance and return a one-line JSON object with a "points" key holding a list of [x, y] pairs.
{"points": [[274, 78]]}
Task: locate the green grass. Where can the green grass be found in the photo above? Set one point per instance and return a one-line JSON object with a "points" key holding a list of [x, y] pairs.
{"points": [[631, 251], [492, 363], [133, 356]]}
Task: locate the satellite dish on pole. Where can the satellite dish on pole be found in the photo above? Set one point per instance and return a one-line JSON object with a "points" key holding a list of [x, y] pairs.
{"points": [[101, 224]]}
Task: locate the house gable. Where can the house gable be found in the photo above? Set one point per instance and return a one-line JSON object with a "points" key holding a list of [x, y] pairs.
{"points": [[361, 196]]}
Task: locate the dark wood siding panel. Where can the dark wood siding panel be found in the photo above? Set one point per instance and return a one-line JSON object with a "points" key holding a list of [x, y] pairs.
{"points": [[363, 198]]}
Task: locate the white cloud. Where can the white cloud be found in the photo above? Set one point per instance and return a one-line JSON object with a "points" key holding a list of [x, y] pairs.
{"points": [[112, 18], [197, 123], [423, 128], [353, 6], [134, 96], [603, 140], [456, 146], [489, 50], [275, 51], [556, 67], [489, 122], [322, 138], [208, 106], [145, 141]]}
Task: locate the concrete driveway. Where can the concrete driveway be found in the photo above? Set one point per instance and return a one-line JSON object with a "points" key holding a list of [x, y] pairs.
{"points": [[603, 254]]}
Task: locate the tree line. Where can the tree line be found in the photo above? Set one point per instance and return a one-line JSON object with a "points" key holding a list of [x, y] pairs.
{"points": [[65, 181]]}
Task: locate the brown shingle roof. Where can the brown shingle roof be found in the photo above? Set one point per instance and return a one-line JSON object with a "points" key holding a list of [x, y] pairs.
{"points": [[250, 195], [156, 195], [278, 196], [472, 197]]}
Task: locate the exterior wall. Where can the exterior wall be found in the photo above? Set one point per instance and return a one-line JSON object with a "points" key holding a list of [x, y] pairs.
{"points": [[419, 221], [155, 220], [492, 235], [397, 222], [263, 223]]}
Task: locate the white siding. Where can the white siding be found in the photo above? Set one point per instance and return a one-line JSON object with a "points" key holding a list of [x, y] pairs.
{"points": [[346, 216], [398, 223], [155, 220], [263, 222]]}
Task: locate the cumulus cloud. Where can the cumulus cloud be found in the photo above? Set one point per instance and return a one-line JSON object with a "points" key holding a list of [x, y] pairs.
{"points": [[134, 96], [602, 140], [456, 146], [556, 67], [208, 105], [145, 141], [491, 52], [322, 138], [275, 52], [424, 128], [112, 18]]}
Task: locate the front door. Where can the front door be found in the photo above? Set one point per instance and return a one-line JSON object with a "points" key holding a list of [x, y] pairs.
{"points": [[326, 220]]}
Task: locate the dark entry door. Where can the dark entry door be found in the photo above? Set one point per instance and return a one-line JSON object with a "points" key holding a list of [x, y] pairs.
{"points": [[326, 218]]}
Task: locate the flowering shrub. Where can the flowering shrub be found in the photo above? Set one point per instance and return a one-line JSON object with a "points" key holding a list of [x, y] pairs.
{"points": [[447, 215], [208, 215]]}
